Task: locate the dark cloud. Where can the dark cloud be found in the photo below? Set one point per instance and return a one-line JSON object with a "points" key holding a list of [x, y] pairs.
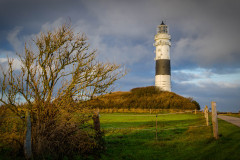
{"points": [[33, 13], [205, 35]]}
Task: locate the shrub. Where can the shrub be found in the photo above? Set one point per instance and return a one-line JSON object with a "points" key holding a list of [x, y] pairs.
{"points": [[145, 91]]}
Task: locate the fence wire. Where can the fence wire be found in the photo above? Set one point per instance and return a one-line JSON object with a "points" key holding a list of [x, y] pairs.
{"points": [[163, 126]]}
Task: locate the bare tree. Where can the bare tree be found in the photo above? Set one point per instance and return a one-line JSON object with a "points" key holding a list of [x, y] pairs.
{"points": [[57, 68]]}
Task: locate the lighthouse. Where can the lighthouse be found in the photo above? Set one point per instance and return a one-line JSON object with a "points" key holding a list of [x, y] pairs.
{"points": [[163, 67]]}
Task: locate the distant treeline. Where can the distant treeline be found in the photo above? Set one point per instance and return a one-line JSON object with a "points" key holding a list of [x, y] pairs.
{"points": [[144, 98]]}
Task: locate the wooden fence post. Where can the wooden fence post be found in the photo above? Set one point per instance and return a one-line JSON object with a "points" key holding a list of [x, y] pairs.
{"points": [[214, 120], [28, 138], [206, 115], [204, 111], [195, 111]]}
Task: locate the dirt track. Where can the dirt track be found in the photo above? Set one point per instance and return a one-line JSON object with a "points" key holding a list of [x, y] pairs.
{"points": [[233, 120]]}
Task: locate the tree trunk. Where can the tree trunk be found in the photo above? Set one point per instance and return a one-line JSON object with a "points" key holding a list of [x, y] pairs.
{"points": [[96, 121]]}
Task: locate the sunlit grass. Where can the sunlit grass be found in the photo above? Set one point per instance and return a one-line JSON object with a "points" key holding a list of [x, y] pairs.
{"points": [[232, 115], [180, 136]]}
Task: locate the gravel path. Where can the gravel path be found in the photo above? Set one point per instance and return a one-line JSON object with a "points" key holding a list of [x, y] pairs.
{"points": [[233, 120]]}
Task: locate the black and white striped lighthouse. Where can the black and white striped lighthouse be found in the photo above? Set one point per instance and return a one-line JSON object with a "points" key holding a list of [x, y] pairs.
{"points": [[163, 67]]}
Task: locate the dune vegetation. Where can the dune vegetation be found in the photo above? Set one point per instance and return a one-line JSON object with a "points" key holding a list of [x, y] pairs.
{"points": [[144, 98]]}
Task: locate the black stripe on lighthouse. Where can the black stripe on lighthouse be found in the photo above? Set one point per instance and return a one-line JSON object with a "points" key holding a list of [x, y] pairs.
{"points": [[163, 67]]}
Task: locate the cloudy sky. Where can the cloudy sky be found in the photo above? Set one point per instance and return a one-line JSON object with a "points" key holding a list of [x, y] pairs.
{"points": [[205, 52]]}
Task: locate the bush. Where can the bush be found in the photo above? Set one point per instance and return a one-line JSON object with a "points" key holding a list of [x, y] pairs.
{"points": [[196, 104], [145, 91], [64, 136], [12, 131]]}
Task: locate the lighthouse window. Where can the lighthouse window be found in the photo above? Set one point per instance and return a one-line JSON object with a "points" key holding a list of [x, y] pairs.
{"points": [[164, 29]]}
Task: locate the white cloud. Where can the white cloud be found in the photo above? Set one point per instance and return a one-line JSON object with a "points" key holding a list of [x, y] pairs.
{"points": [[13, 39], [115, 51], [122, 18], [16, 63], [50, 26], [206, 51], [6, 53], [122, 55], [191, 75], [202, 77], [207, 82], [3, 60]]}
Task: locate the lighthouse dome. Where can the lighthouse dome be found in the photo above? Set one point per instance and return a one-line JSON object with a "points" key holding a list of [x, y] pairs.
{"points": [[162, 28]]}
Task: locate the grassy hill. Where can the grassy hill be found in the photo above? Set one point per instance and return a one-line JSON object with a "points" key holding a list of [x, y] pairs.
{"points": [[144, 98]]}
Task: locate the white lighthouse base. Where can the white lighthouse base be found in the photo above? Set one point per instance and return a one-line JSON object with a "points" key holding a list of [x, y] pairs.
{"points": [[163, 82]]}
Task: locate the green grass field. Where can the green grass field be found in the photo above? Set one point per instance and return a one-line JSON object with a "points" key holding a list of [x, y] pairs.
{"points": [[180, 136], [232, 115]]}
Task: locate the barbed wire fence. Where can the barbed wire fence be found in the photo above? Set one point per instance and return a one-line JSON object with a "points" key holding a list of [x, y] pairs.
{"points": [[157, 127]]}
